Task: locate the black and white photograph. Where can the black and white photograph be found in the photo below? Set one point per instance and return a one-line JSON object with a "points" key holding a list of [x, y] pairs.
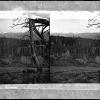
{"points": [[75, 47], [24, 47], [49, 49]]}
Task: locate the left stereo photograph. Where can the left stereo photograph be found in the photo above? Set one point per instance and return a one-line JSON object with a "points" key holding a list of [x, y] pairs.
{"points": [[24, 47]]}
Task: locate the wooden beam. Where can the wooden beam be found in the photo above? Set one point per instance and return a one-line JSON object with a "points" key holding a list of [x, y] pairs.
{"points": [[34, 57]]}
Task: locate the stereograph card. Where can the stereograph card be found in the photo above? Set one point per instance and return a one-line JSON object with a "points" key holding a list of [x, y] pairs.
{"points": [[49, 49]]}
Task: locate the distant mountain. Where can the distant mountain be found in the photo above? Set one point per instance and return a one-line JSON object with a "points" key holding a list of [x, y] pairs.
{"points": [[81, 35], [2, 35], [63, 34], [24, 35], [20, 35], [90, 35]]}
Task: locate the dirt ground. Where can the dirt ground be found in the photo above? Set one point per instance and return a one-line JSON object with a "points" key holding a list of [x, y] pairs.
{"points": [[69, 71], [22, 75]]}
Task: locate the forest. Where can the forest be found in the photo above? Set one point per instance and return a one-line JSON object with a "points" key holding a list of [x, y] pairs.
{"points": [[74, 60], [60, 44]]}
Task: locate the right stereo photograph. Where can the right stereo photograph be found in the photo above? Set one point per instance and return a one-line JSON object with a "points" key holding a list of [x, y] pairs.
{"points": [[75, 47]]}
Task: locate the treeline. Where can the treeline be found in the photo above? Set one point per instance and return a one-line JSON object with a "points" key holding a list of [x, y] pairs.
{"points": [[7, 45], [60, 44], [11, 46]]}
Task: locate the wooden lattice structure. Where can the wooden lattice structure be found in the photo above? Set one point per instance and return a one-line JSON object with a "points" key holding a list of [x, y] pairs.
{"points": [[33, 29], [34, 25]]}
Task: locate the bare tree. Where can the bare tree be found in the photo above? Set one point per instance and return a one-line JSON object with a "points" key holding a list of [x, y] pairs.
{"points": [[95, 21], [33, 25]]}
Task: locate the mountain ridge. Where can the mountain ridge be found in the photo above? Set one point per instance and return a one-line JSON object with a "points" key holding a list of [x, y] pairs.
{"points": [[22, 35], [81, 35]]}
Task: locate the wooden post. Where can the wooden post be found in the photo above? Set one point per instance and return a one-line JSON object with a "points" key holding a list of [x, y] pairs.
{"points": [[34, 57]]}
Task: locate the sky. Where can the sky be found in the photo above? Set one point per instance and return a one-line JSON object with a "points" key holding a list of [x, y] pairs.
{"points": [[60, 21], [7, 19], [6, 27], [64, 22]]}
